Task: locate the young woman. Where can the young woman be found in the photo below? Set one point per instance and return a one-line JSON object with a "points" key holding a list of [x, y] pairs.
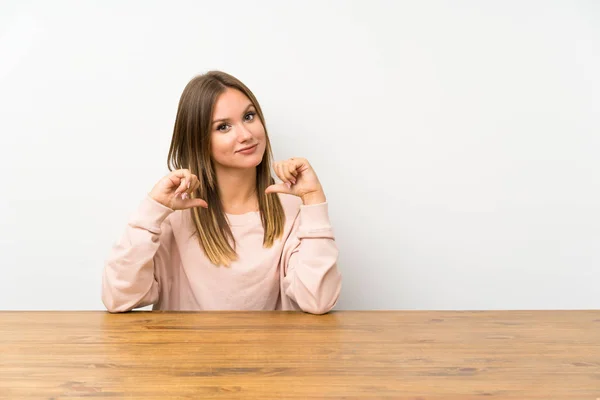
{"points": [[217, 233]]}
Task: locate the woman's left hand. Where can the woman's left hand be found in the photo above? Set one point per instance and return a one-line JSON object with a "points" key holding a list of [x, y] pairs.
{"points": [[299, 179]]}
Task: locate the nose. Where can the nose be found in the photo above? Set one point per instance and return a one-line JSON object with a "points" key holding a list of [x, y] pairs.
{"points": [[243, 133]]}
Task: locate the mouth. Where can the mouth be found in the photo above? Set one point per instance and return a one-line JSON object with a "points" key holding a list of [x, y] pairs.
{"points": [[247, 149]]}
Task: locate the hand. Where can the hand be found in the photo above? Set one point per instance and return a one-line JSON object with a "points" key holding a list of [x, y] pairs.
{"points": [[175, 189], [299, 179]]}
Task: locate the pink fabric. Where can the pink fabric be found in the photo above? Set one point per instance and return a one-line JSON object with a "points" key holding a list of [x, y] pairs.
{"points": [[159, 261]]}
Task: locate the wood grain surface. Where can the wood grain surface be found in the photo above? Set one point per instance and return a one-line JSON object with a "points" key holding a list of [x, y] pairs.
{"points": [[274, 355]]}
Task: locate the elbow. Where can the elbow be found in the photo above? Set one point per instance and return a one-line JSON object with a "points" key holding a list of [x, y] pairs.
{"points": [[117, 296], [325, 301], [318, 310], [116, 309], [323, 306], [109, 299], [113, 305]]}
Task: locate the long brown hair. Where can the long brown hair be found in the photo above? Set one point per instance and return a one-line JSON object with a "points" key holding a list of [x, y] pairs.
{"points": [[190, 148]]}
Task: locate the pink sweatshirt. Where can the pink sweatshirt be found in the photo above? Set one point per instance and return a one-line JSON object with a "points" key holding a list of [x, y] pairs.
{"points": [[159, 261]]}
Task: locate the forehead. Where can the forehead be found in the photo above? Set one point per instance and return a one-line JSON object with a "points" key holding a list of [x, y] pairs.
{"points": [[230, 103]]}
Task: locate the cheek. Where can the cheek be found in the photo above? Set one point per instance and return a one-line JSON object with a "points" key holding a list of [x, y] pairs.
{"points": [[219, 146], [261, 138], [259, 133]]}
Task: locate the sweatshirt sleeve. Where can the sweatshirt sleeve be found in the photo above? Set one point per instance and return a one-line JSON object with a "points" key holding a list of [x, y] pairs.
{"points": [[310, 255], [129, 280]]}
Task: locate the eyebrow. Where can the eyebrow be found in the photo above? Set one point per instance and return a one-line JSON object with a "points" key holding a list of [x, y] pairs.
{"points": [[227, 119]]}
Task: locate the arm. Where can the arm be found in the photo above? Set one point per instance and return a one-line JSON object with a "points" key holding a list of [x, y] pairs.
{"points": [[129, 279], [310, 256], [311, 278]]}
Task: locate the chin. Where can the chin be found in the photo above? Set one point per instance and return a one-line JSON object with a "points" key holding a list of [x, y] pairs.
{"points": [[250, 162], [254, 161]]}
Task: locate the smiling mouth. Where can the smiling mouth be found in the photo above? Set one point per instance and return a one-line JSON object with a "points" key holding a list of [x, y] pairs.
{"points": [[247, 148]]}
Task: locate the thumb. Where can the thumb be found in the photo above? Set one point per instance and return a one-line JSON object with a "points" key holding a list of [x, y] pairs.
{"points": [[191, 203], [279, 188]]}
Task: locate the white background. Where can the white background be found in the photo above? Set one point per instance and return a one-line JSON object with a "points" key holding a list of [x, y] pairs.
{"points": [[457, 141]]}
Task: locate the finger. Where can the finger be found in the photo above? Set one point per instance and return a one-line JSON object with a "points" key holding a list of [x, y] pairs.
{"points": [[184, 176], [282, 174], [293, 172], [279, 188], [196, 186], [181, 190], [285, 168], [277, 169], [293, 169], [193, 187], [300, 164], [188, 201], [193, 184], [191, 193], [191, 203], [181, 173]]}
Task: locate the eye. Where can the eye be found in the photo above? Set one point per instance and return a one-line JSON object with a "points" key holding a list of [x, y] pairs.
{"points": [[222, 127], [250, 116]]}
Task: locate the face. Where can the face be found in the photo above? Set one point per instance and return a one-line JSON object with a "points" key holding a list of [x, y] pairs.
{"points": [[238, 137]]}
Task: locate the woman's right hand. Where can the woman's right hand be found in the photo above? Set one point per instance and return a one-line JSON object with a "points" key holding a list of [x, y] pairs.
{"points": [[174, 190]]}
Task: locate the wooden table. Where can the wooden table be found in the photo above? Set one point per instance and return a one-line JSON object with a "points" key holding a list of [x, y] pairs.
{"points": [[369, 354]]}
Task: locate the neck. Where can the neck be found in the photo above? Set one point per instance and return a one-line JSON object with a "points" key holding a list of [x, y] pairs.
{"points": [[237, 190]]}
